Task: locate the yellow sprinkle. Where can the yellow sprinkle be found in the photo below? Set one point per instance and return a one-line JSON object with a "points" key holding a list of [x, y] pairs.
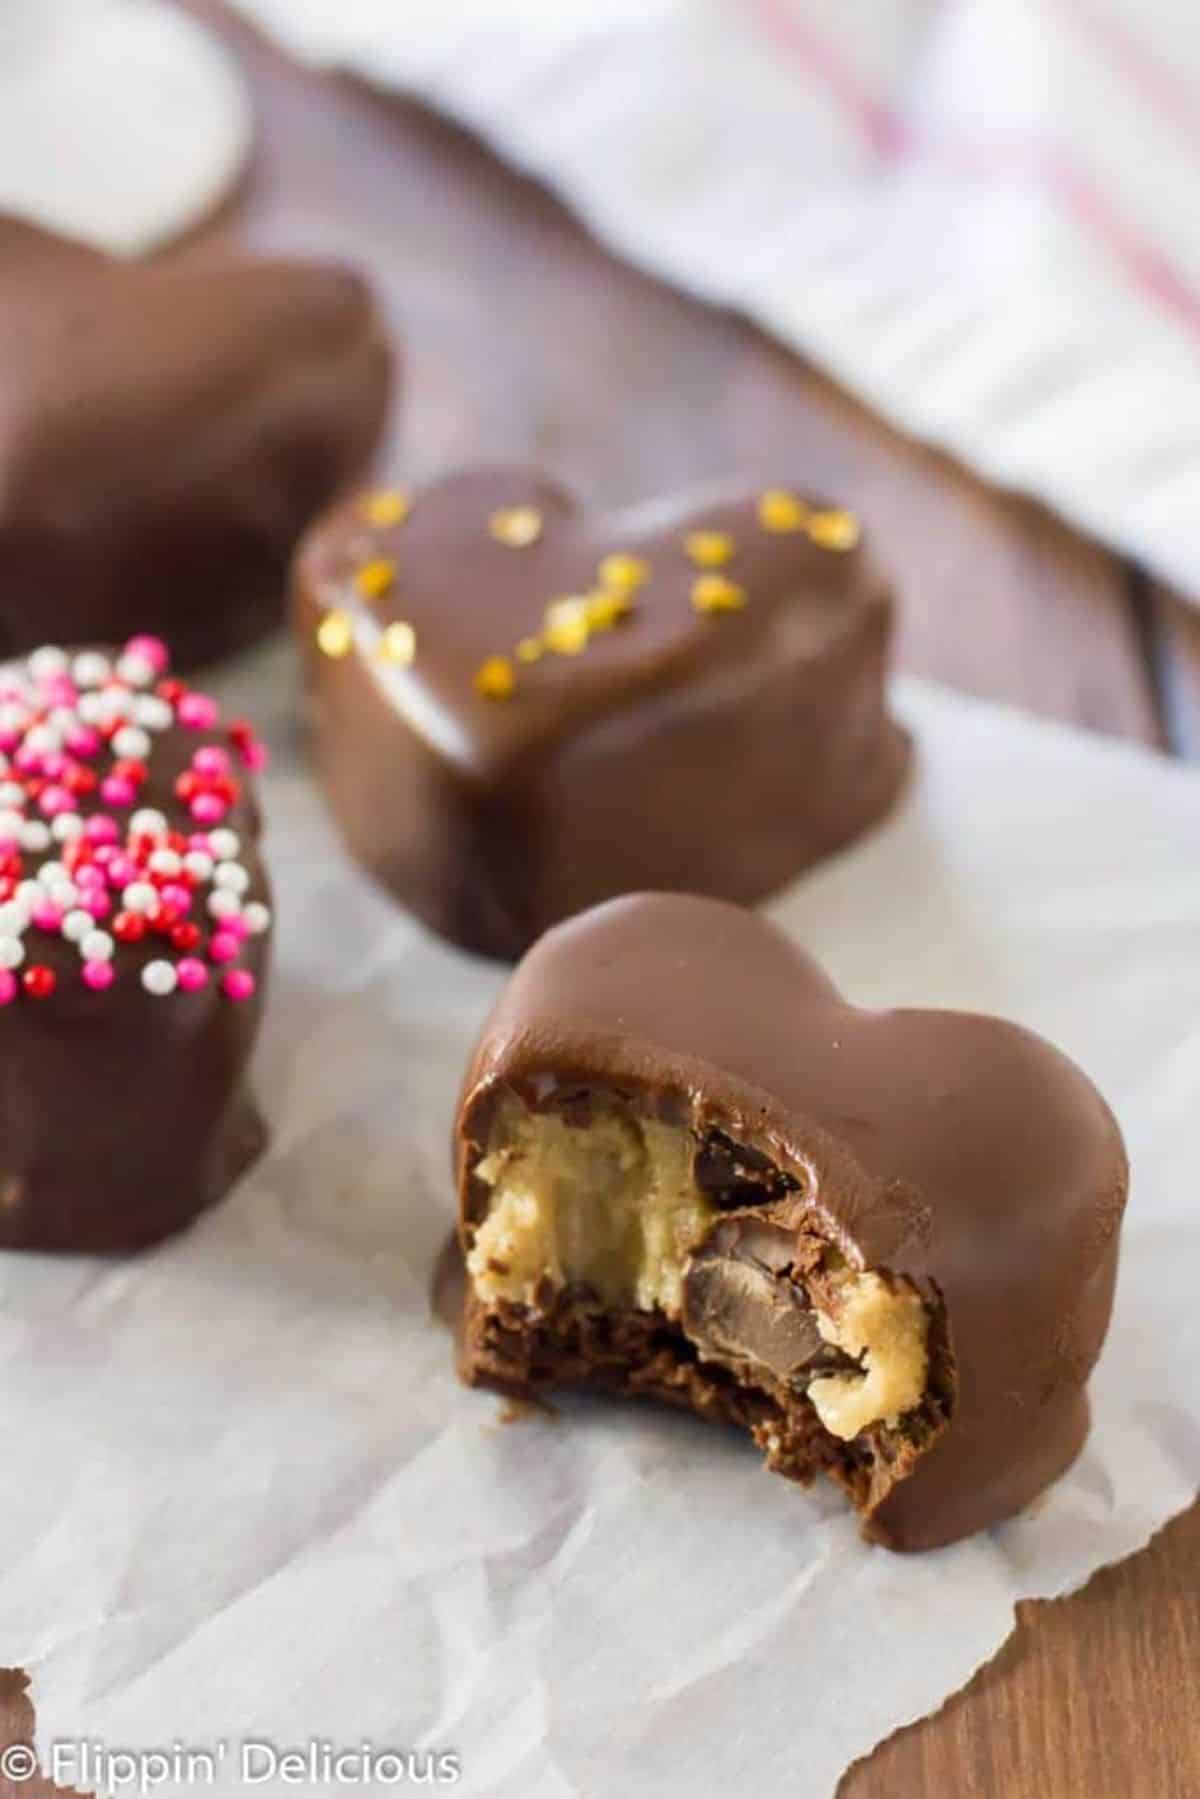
{"points": [[622, 573], [603, 608], [709, 549], [779, 510], [530, 649], [398, 644], [495, 678], [716, 593], [567, 629], [516, 526], [390, 506], [374, 578], [334, 635], [834, 530]]}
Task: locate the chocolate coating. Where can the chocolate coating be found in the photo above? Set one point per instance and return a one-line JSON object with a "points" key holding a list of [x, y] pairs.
{"points": [[959, 1151], [166, 432], [122, 1113], [721, 752]]}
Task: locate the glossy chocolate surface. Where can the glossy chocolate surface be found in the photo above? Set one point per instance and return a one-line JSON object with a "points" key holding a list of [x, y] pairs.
{"points": [[123, 1111], [166, 432], [720, 750], [957, 1150]]}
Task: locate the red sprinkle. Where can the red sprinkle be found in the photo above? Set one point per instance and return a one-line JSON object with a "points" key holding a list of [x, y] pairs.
{"points": [[130, 927], [186, 937], [39, 981]]}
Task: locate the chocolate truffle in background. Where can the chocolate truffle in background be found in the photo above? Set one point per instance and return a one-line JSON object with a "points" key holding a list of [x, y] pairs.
{"points": [[166, 432], [134, 932], [884, 1243], [523, 707]]}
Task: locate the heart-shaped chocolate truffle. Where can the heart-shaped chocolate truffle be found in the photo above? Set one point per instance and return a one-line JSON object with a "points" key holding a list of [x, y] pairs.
{"points": [[884, 1242], [166, 432], [524, 707]]}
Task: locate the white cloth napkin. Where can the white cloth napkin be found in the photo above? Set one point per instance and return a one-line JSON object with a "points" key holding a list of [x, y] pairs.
{"points": [[243, 1497], [978, 214]]}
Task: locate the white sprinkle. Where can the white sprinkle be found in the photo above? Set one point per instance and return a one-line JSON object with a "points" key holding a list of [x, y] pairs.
{"points": [[223, 904], [43, 739], [63, 718], [139, 896], [50, 872], [13, 717], [12, 952], [131, 741], [138, 671], [166, 862], [47, 661], [90, 669], [159, 978], [91, 708], [152, 713], [66, 826], [34, 835], [97, 946], [14, 918], [11, 794], [11, 823], [224, 844], [199, 864], [231, 875], [63, 894], [29, 893], [77, 925], [257, 917], [147, 822]]}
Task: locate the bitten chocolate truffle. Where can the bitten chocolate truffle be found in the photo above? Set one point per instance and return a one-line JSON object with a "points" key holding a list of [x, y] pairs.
{"points": [[884, 1243], [167, 432], [134, 929], [522, 707]]}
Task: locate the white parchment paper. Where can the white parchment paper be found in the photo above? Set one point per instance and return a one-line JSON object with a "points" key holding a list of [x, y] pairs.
{"points": [[243, 1497]]}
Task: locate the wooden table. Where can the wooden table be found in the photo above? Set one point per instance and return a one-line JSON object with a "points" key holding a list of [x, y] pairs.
{"points": [[525, 340]]}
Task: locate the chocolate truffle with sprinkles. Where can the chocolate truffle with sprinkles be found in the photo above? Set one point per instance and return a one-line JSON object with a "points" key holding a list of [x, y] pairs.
{"points": [[134, 929], [522, 707]]}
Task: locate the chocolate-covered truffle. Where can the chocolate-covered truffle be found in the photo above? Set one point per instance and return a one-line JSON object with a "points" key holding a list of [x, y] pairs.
{"points": [[166, 433], [883, 1242], [523, 707], [134, 930]]}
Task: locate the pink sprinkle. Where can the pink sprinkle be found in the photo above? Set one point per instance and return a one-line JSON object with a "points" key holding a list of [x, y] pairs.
{"points": [[9, 741], [53, 800], [60, 690], [223, 946], [210, 761], [174, 893], [116, 791], [192, 974], [102, 830], [199, 841], [207, 809], [237, 984], [55, 765], [121, 871], [47, 918], [8, 987], [198, 711], [153, 649], [9, 846], [236, 926], [98, 975], [27, 760], [83, 741], [96, 902], [86, 875], [255, 756]]}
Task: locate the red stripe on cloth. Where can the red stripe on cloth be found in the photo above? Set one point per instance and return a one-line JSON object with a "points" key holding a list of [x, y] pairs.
{"points": [[895, 140], [1161, 87]]}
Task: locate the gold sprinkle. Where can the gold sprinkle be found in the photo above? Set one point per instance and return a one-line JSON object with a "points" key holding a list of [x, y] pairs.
{"points": [[390, 506], [375, 577], [495, 678], [834, 530], [398, 644], [603, 608], [716, 593], [622, 573], [567, 629], [779, 510], [530, 649], [516, 526], [709, 549], [334, 635]]}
